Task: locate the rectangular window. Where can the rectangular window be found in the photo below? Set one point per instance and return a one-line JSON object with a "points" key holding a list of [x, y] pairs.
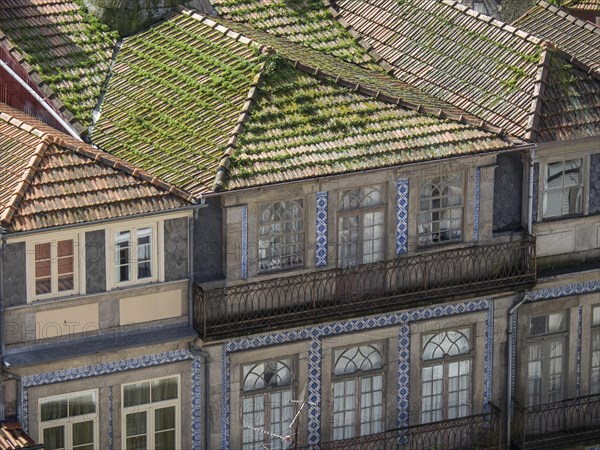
{"points": [[69, 421], [441, 210], [563, 188], [595, 345], [546, 356], [134, 255], [54, 267], [281, 236], [151, 412]]}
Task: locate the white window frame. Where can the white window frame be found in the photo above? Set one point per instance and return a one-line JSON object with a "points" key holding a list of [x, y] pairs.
{"points": [[68, 422], [149, 408], [156, 251], [425, 217], [356, 379], [445, 361], [262, 239], [31, 269], [545, 340], [581, 186], [360, 212], [267, 392]]}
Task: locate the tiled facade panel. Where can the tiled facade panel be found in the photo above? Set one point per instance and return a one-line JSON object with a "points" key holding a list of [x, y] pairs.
{"points": [[95, 261], [176, 249], [594, 205], [508, 191], [321, 233], [14, 280]]}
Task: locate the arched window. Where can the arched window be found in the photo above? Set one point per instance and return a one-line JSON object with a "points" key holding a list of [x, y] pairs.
{"points": [[281, 236], [441, 210], [446, 375], [358, 391], [267, 408], [360, 227]]}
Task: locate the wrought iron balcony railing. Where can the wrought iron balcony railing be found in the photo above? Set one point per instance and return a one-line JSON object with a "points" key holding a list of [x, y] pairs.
{"points": [[482, 431], [386, 285], [561, 424]]}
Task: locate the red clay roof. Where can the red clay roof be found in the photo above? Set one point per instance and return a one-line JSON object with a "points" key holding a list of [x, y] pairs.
{"points": [[48, 178], [13, 437]]}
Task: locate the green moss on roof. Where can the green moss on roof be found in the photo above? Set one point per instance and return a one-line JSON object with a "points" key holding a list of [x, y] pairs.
{"points": [[66, 45], [307, 22], [303, 127], [174, 98], [571, 107]]}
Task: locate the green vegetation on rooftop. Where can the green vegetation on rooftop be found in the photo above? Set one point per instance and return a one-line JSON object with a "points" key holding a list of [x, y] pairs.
{"points": [[69, 48], [304, 127], [307, 22], [174, 98]]}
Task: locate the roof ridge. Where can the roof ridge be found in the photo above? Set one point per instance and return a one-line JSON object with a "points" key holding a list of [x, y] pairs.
{"points": [[492, 21], [52, 98], [238, 37], [95, 154], [567, 16], [377, 58], [538, 95], [237, 130], [399, 101]]}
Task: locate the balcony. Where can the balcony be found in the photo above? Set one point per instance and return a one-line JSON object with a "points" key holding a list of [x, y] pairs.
{"points": [[481, 431], [565, 424], [407, 281]]}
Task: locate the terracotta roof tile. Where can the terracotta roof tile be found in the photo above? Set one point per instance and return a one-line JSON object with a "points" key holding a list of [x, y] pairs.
{"points": [[48, 179], [578, 38], [490, 69], [583, 5], [12, 437], [63, 47]]}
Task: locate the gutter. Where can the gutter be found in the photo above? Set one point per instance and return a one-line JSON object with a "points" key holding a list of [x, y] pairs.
{"points": [[191, 270], [41, 101], [510, 353]]}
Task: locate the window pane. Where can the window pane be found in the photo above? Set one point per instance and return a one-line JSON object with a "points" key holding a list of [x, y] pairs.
{"points": [[54, 409], [596, 316], [253, 419], [42, 286], [343, 410], [440, 218], [82, 404], [164, 426], [43, 283], [83, 435], [165, 389], [54, 438], [595, 373], [144, 252], [281, 235], [136, 394], [136, 424], [64, 248]]}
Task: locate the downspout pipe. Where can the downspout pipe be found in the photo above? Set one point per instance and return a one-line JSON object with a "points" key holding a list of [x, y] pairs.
{"points": [[191, 270], [41, 101], [531, 183], [2, 337], [509, 365]]}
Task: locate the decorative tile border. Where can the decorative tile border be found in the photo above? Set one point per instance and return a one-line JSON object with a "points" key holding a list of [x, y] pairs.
{"points": [[314, 391], [402, 216], [197, 405], [513, 343], [317, 332], [244, 248], [321, 230], [110, 418], [476, 206], [586, 287], [578, 366], [108, 368], [488, 361]]}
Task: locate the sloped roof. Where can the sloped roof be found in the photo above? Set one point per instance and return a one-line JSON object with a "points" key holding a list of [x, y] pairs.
{"points": [[575, 36], [484, 66], [13, 437], [583, 5], [306, 22], [48, 178], [284, 114], [174, 98], [63, 47], [303, 126]]}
